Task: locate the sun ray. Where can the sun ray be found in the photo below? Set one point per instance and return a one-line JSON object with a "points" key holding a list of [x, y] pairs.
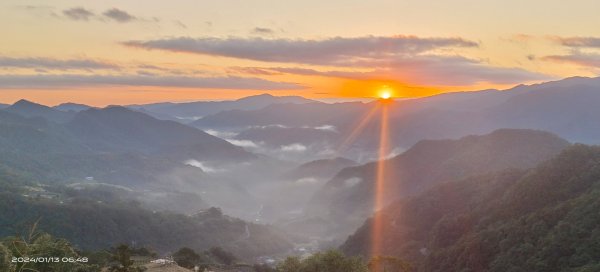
{"points": [[379, 198], [358, 129]]}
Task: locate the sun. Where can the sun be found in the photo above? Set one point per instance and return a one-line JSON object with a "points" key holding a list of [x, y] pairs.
{"points": [[385, 93]]}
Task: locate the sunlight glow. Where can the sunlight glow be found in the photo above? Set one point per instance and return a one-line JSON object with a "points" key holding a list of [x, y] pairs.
{"points": [[385, 92]]}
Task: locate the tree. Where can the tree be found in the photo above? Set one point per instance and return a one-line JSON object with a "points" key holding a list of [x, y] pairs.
{"points": [[123, 262], [388, 264], [222, 256], [187, 257], [263, 268], [42, 245], [5, 259], [330, 261], [291, 264]]}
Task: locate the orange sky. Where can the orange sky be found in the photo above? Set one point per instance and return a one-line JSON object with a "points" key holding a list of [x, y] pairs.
{"points": [[123, 52]]}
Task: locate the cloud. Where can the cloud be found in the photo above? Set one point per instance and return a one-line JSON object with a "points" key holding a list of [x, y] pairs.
{"points": [[263, 31], [118, 15], [221, 134], [78, 14], [455, 71], [242, 143], [113, 14], [582, 59], [407, 59], [297, 147], [331, 51], [254, 71], [57, 64], [423, 69], [326, 128], [581, 42], [78, 80], [203, 166]]}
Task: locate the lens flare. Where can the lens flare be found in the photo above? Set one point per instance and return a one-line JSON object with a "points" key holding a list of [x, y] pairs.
{"points": [[358, 128], [379, 198]]}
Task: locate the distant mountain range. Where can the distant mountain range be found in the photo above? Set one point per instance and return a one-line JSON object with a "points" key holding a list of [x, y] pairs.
{"points": [[542, 219], [324, 169], [29, 109], [127, 174], [115, 145], [565, 107], [72, 107], [191, 111], [348, 197], [118, 129]]}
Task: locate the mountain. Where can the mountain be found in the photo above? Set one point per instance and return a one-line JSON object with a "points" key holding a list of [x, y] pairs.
{"points": [[95, 225], [322, 169], [122, 147], [564, 107], [2, 106], [348, 197], [542, 219], [194, 110], [569, 110], [29, 109], [118, 129], [289, 115], [71, 107]]}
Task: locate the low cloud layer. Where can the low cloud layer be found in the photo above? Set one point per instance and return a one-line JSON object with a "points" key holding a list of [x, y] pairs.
{"points": [[408, 59], [436, 70], [75, 80], [582, 59], [331, 51], [589, 42], [583, 51], [57, 64]]}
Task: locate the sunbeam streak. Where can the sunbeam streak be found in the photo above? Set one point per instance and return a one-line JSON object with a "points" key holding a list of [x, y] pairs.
{"points": [[379, 199], [358, 129]]}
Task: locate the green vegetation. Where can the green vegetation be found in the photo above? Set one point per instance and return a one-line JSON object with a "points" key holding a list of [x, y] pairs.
{"points": [[544, 219], [122, 260], [330, 261], [92, 226], [41, 252]]}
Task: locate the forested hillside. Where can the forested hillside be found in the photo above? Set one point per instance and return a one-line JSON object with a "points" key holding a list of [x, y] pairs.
{"points": [[95, 225], [544, 219]]}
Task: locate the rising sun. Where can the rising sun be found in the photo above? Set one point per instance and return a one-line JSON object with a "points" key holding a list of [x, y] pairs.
{"points": [[385, 93]]}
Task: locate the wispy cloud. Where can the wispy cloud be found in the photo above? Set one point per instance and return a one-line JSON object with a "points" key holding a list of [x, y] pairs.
{"points": [[432, 70], [331, 51], [406, 58], [118, 15], [583, 51], [77, 80], [113, 14], [57, 64], [79, 14], [578, 42], [577, 58], [263, 31]]}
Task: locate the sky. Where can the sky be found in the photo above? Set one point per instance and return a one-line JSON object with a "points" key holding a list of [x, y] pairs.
{"points": [[125, 51]]}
